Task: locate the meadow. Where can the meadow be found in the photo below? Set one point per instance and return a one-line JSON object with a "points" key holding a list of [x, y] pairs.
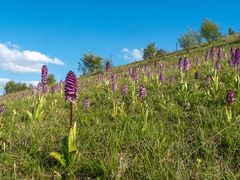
{"points": [[167, 122]]}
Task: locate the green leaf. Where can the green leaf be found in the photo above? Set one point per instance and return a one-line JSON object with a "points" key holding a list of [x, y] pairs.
{"points": [[72, 139], [30, 116], [59, 157], [38, 110]]}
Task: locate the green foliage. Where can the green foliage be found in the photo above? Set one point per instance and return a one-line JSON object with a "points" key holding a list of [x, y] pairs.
{"points": [[69, 152], [90, 64], [13, 87], [51, 79], [210, 31], [37, 112], [149, 52], [187, 40], [231, 31], [161, 52]]}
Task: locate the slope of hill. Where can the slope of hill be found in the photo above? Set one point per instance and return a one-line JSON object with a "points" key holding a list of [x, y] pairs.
{"points": [[183, 127]]}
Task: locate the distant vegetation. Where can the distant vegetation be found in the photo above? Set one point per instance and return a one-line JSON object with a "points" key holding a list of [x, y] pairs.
{"points": [[13, 87], [90, 63]]}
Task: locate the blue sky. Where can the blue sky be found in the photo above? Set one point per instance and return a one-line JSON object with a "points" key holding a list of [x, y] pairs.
{"points": [[59, 32]]}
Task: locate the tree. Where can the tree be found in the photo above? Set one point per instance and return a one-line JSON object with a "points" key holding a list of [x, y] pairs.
{"points": [[187, 40], [209, 31], [90, 64], [197, 37], [149, 52], [161, 52], [51, 79], [230, 31], [12, 87]]}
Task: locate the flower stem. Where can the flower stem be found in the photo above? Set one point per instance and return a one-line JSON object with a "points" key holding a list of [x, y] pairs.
{"points": [[70, 115]]}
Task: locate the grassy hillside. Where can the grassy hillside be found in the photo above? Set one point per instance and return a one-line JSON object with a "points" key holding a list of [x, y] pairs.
{"points": [[179, 130]]}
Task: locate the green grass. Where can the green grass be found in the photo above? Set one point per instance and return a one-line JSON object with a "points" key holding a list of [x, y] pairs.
{"points": [[186, 134]]}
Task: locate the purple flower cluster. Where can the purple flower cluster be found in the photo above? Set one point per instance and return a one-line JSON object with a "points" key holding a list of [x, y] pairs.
{"points": [[220, 54], [114, 86], [2, 108], [161, 77], [71, 87], [134, 75], [142, 92], [231, 96], [113, 77], [40, 87], [237, 56], [124, 90], [161, 67], [180, 64], [186, 64], [213, 53], [44, 74], [218, 65], [86, 103]]}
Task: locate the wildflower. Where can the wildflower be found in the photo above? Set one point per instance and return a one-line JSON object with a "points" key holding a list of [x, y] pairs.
{"points": [[86, 103], [218, 65], [114, 86], [134, 75], [113, 77], [197, 75], [124, 90], [142, 92], [40, 87], [71, 87], [237, 56], [208, 79], [161, 77], [220, 54], [231, 96], [2, 108], [71, 91], [213, 53], [44, 74], [161, 67], [180, 64], [186, 64]]}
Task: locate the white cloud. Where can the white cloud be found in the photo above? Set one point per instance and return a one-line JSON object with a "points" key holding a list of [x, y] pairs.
{"points": [[125, 50], [13, 59], [131, 55], [34, 83]]}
